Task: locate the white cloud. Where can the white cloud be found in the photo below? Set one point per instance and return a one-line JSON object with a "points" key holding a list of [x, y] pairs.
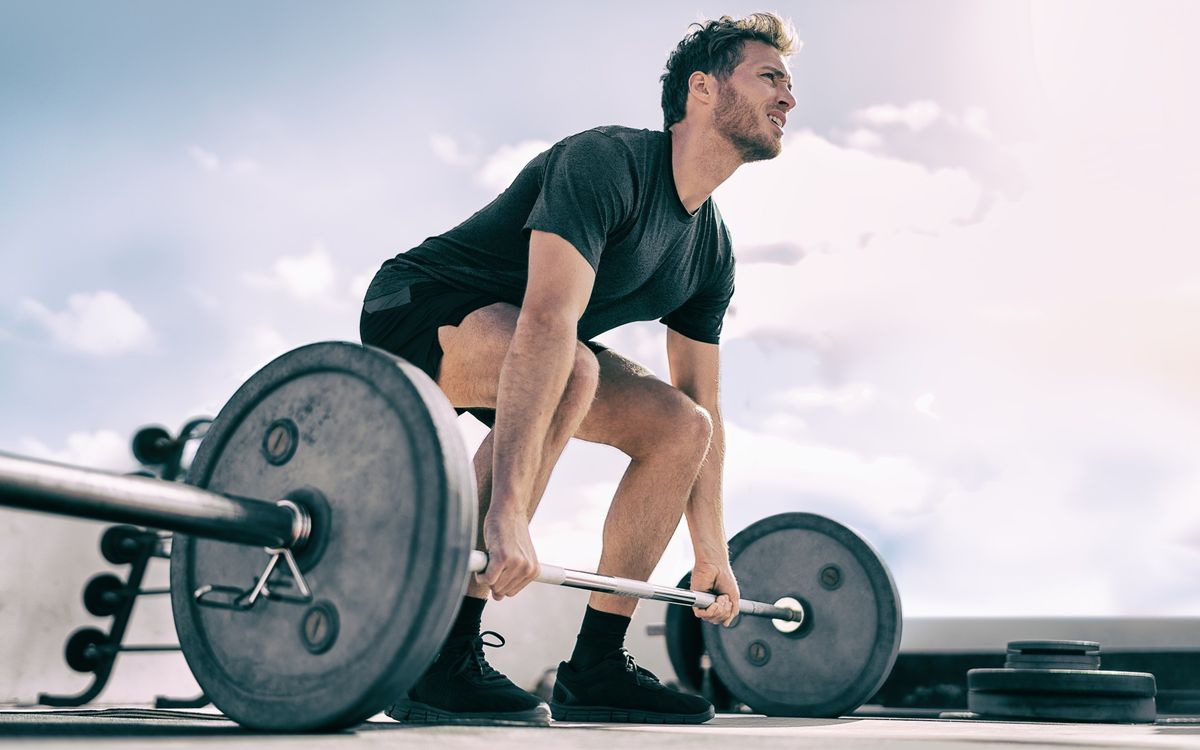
{"points": [[102, 449], [357, 289], [863, 139], [448, 151], [502, 166], [253, 347], [916, 116], [824, 197], [924, 404], [207, 161], [98, 323], [975, 120], [790, 473], [848, 398], [307, 277]]}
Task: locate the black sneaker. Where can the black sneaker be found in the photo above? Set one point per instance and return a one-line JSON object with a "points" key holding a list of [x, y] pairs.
{"points": [[460, 687], [618, 690]]}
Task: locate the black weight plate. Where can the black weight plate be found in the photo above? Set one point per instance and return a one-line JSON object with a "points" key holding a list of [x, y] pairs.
{"points": [[1052, 661], [1062, 695], [102, 596], [1121, 709], [82, 650], [685, 648], [121, 545], [1053, 655], [152, 445], [1075, 681], [843, 653], [376, 437], [1053, 647]]}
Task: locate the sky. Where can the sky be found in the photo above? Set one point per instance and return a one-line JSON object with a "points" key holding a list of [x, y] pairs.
{"points": [[968, 300]]}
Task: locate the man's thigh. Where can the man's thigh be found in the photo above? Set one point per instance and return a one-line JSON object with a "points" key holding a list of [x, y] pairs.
{"points": [[473, 353], [634, 411]]}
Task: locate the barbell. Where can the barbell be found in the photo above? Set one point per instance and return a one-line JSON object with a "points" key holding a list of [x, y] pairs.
{"points": [[345, 465]]}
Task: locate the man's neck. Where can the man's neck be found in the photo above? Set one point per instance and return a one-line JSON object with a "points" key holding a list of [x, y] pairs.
{"points": [[700, 161]]}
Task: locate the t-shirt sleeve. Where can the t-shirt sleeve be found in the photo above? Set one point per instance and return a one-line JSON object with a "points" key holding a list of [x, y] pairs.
{"points": [[587, 193], [701, 317]]}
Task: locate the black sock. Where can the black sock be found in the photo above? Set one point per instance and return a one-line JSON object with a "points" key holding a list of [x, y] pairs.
{"points": [[468, 622], [601, 634]]}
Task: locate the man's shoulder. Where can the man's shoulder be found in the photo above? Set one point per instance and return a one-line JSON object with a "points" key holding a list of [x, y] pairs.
{"points": [[616, 138], [711, 215]]}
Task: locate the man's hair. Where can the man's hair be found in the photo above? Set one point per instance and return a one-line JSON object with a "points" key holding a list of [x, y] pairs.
{"points": [[715, 48]]}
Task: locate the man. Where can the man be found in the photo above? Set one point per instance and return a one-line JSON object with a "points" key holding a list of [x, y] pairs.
{"points": [[609, 226]]}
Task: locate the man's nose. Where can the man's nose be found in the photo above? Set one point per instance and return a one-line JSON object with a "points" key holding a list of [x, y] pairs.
{"points": [[787, 100]]}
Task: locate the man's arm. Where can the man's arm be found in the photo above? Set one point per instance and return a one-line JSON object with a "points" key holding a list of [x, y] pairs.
{"points": [[532, 381], [695, 370]]}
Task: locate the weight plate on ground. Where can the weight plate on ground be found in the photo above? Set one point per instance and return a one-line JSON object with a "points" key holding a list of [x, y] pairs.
{"points": [[1062, 695], [685, 647], [848, 643], [378, 441], [1077, 681]]}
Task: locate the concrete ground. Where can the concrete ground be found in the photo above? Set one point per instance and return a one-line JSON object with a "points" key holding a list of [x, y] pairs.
{"points": [[51, 729]]}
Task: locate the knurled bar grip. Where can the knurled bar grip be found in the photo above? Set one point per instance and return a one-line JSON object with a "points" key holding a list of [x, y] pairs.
{"points": [[86, 493], [578, 579]]}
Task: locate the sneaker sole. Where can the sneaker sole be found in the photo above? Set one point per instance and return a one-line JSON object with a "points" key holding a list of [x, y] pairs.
{"points": [[624, 715], [413, 712]]}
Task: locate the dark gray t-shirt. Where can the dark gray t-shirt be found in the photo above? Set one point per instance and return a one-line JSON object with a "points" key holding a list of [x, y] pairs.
{"points": [[610, 192]]}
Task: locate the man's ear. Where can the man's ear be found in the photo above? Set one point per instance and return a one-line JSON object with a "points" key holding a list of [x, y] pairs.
{"points": [[702, 86]]}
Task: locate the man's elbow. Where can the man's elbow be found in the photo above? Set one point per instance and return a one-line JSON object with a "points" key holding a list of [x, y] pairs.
{"points": [[548, 319]]}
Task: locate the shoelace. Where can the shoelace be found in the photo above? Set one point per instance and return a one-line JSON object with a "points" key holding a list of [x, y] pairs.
{"points": [[641, 674], [473, 661]]}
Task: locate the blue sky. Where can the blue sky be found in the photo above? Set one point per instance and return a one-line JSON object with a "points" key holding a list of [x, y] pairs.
{"points": [[967, 297]]}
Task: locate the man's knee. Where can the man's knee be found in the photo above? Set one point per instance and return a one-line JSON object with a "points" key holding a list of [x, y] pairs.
{"points": [[681, 431], [695, 427]]}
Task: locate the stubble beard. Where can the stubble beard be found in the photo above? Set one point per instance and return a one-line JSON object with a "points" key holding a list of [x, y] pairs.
{"points": [[739, 123]]}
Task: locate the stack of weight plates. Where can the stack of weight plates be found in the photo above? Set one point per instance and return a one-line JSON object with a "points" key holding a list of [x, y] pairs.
{"points": [[1060, 681]]}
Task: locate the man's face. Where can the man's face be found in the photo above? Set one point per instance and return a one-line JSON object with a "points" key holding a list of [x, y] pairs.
{"points": [[756, 93]]}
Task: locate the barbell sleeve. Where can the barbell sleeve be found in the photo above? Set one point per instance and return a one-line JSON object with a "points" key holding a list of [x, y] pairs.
{"points": [[50, 487], [579, 579]]}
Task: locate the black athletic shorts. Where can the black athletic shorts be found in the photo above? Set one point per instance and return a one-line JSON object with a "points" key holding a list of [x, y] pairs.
{"points": [[409, 329]]}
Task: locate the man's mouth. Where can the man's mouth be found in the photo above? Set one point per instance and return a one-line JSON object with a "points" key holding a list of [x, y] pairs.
{"points": [[776, 121]]}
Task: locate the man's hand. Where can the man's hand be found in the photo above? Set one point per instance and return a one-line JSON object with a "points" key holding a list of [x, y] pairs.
{"points": [[716, 578], [512, 561]]}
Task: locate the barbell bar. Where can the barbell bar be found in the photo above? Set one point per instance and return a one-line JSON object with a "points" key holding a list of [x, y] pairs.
{"points": [[580, 579], [85, 493], [101, 496]]}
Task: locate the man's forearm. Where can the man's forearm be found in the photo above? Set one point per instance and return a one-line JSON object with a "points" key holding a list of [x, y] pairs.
{"points": [[532, 380], [705, 511]]}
